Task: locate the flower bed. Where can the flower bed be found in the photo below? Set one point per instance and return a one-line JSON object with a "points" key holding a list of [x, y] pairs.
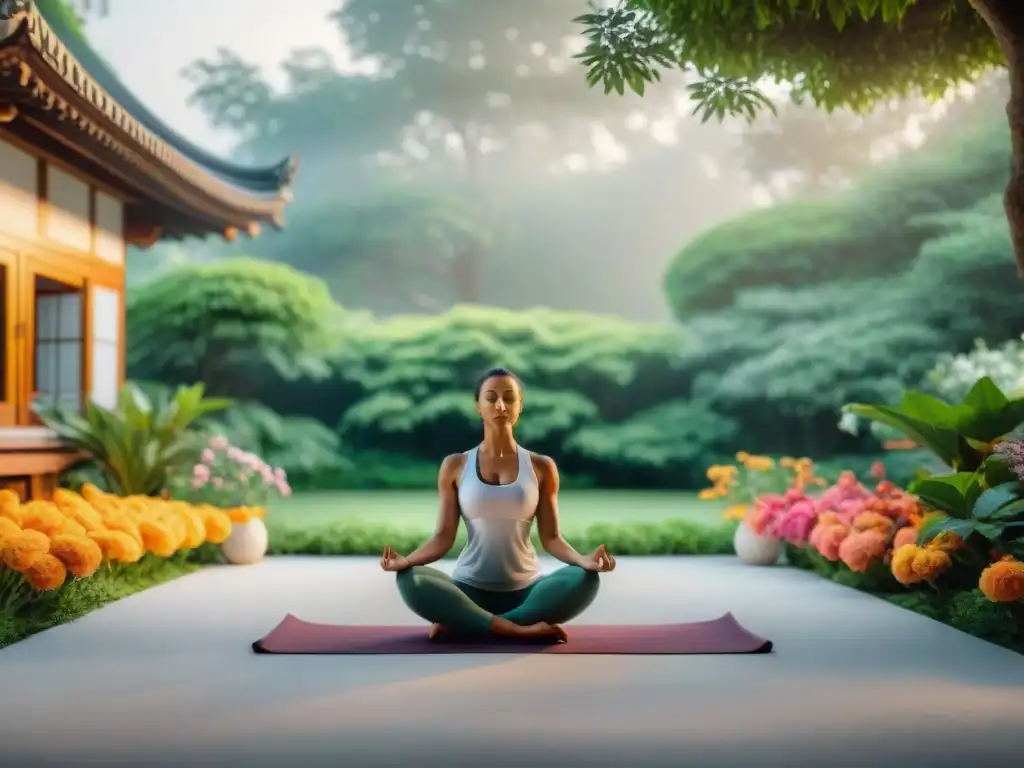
{"points": [[949, 546], [61, 559]]}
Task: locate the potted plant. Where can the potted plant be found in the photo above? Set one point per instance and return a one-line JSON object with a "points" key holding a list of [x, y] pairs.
{"points": [[241, 483], [750, 487]]}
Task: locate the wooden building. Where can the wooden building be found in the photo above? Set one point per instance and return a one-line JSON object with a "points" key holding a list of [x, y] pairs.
{"points": [[85, 171]]}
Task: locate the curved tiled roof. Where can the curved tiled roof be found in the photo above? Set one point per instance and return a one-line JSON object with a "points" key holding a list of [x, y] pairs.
{"points": [[59, 73]]}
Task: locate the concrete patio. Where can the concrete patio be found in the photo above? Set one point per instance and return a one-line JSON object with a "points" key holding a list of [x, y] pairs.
{"points": [[167, 678]]}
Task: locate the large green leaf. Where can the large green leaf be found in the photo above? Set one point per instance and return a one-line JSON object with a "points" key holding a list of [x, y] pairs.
{"points": [[953, 494], [930, 410], [993, 500], [988, 414], [944, 443], [934, 526]]}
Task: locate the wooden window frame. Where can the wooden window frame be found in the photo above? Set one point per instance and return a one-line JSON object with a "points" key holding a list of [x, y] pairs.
{"points": [[24, 259]]}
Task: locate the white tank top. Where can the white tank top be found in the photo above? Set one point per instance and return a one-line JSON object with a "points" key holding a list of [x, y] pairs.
{"points": [[499, 555]]}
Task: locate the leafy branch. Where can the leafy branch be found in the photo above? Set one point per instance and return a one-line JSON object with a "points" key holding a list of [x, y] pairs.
{"points": [[626, 48]]}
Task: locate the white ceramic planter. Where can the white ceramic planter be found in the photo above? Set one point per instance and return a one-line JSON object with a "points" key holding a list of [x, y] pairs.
{"points": [[754, 549], [247, 543]]}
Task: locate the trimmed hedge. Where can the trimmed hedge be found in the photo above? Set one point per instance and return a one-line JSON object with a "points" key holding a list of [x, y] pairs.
{"points": [[669, 537]]}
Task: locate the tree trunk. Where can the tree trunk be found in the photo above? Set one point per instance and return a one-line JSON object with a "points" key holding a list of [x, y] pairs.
{"points": [[1006, 20]]}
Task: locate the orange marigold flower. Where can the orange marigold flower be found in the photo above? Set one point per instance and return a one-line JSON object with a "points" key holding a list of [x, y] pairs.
{"points": [[947, 541], [78, 509], [43, 517], [930, 563], [117, 546], [218, 524], [195, 528], [873, 521], [45, 572], [7, 528], [19, 548], [860, 550], [1003, 582], [157, 539], [80, 554], [903, 564], [708, 494]]}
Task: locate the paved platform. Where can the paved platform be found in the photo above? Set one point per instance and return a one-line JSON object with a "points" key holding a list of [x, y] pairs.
{"points": [[167, 678]]}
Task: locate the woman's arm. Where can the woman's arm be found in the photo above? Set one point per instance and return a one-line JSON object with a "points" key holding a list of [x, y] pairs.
{"points": [[547, 514], [438, 545]]}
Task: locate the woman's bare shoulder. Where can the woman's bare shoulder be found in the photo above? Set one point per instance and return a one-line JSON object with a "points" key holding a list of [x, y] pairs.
{"points": [[453, 465], [543, 465]]}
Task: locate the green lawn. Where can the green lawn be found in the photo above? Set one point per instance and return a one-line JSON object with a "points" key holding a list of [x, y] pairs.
{"points": [[417, 510]]}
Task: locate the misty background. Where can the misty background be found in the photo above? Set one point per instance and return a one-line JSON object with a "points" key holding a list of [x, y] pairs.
{"points": [[671, 290]]}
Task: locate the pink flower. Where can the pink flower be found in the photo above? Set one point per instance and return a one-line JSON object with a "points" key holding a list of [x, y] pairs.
{"points": [[198, 482], [284, 489], [208, 456], [235, 454], [878, 470], [219, 443], [280, 473], [201, 471], [796, 524], [218, 482]]}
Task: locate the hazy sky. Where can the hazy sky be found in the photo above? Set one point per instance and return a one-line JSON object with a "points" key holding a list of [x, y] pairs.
{"points": [[149, 42]]}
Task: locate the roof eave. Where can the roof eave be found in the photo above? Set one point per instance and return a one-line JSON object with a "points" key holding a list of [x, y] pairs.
{"points": [[52, 79]]}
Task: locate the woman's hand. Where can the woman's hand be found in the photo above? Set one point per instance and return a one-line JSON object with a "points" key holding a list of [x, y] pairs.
{"points": [[598, 561], [392, 561]]}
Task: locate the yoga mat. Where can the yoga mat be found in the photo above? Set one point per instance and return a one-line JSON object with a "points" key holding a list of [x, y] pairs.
{"points": [[721, 635]]}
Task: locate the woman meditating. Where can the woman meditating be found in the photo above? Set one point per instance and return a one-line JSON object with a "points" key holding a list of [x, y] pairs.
{"points": [[499, 488]]}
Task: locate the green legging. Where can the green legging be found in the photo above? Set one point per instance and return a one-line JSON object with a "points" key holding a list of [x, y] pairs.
{"points": [[461, 609]]}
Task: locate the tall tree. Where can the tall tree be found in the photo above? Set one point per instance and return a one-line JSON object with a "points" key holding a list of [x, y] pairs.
{"points": [[465, 94], [841, 53]]}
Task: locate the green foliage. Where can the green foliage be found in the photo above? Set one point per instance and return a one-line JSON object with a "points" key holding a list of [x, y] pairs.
{"points": [[843, 52], [960, 435], [671, 440], [307, 450], [671, 537], [875, 229], [229, 324], [996, 622], [141, 442], [81, 596]]}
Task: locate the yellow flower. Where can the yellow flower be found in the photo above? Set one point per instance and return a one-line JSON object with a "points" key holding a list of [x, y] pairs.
{"points": [[218, 524], [19, 549], [721, 473], [7, 528], [43, 517], [742, 456], [735, 512], [117, 546], [759, 463], [45, 572], [946, 541], [709, 494], [78, 509], [80, 554], [195, 528], [912, 564], [157, 539], [239, 515]]}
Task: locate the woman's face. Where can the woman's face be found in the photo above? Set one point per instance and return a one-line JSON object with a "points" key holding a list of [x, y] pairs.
{"points": [[500, 401]]}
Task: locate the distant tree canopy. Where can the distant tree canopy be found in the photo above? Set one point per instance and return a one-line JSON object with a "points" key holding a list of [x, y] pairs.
{"points": [[843, 53], [875, 229]]}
